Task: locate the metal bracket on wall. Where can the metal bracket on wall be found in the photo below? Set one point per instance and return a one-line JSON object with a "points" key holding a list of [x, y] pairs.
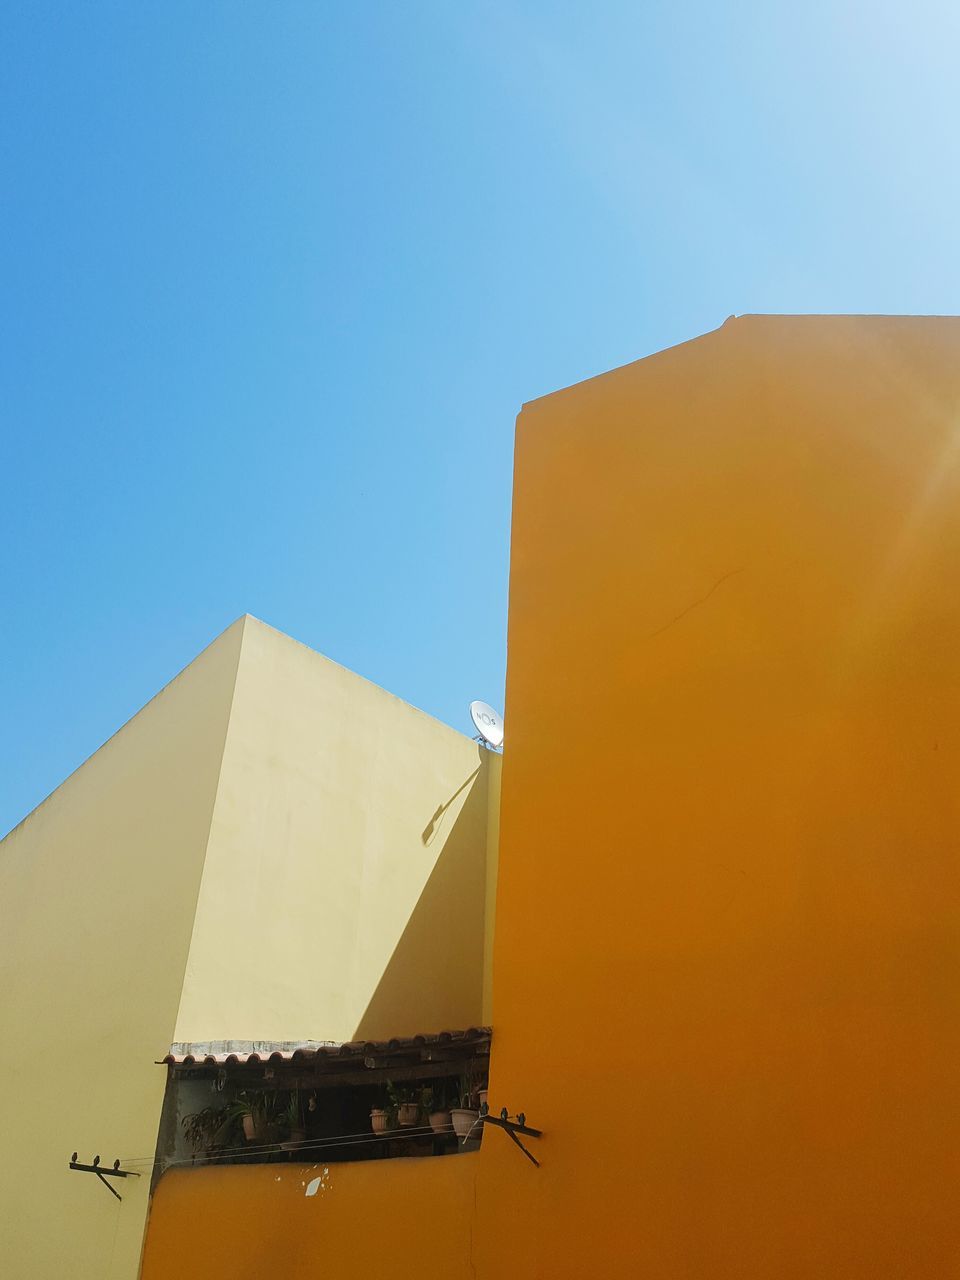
{"points": [[103, 1174], [512, 1128]]}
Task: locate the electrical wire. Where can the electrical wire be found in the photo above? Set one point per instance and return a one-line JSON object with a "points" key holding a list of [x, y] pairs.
{"points": [[314, 1144], [251, 1148]]}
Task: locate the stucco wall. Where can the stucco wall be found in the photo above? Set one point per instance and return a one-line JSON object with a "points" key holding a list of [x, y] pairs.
{"points": [[344, 891], [378, 1218], [727, 959], [97, 894]]}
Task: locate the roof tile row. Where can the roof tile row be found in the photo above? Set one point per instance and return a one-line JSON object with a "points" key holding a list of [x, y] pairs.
{"points": [[250, 1053]]}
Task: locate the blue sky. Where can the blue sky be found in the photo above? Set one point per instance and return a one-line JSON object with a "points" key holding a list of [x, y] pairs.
{"points": [[276, 278]]}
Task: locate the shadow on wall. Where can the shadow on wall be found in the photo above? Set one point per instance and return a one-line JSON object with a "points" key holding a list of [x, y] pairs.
{"points": [[432, 828], [434, 978]]}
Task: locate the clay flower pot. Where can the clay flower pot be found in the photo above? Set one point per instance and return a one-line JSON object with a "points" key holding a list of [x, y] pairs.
{"points": [[249, 1128], [463, 1120], [379, 1120], [407, 1114], [440, 1121]]}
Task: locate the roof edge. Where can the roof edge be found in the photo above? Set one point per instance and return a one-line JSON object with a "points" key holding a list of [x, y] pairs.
{"points": [[749, 317]]}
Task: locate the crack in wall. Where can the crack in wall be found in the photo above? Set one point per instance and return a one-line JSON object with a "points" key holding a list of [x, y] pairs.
{"points": [[696, 604]]}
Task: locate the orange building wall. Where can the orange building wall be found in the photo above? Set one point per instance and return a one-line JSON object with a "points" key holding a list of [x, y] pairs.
{"points": [[377, 1218], [727, 966], [727, 954]]}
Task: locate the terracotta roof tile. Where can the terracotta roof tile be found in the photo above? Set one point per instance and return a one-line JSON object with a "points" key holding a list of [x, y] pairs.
{"points": [[228, 1053]]}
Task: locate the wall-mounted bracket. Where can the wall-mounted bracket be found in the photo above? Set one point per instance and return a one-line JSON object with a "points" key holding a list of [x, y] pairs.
{"points": [[103, 1174], [512, 1128]]}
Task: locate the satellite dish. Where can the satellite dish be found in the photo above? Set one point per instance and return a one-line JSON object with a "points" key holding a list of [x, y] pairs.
{"points": [[488, 723]]}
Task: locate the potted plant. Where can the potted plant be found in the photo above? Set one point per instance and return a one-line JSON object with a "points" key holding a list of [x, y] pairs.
{"points": [[257, 1112], [434, 1106], [242, 1111], [379, 1119], [292, 1123], [464, 1114], [404, 1103], [204, 1130]]}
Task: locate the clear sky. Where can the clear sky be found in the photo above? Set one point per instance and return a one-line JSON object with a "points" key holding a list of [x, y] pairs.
{"points": [[275, 279]]}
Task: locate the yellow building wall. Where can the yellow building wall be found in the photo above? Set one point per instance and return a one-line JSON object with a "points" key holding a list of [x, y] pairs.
{"points": [[97, 894], [378, 1218], [344, 892], [727, 958]]}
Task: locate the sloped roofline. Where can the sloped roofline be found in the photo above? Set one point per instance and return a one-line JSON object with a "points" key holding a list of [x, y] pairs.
{"points": [[770, 318]]}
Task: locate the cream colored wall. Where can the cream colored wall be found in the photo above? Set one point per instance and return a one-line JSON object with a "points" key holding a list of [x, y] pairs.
{"points": [[344, 891], [97, 894]]}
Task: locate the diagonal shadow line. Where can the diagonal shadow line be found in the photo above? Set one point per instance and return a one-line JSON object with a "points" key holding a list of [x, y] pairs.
{"points": [[433, 980], [430, 830]]}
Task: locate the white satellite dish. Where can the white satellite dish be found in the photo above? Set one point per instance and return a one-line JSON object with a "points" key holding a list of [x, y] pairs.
{"points": [[488, 723]]}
